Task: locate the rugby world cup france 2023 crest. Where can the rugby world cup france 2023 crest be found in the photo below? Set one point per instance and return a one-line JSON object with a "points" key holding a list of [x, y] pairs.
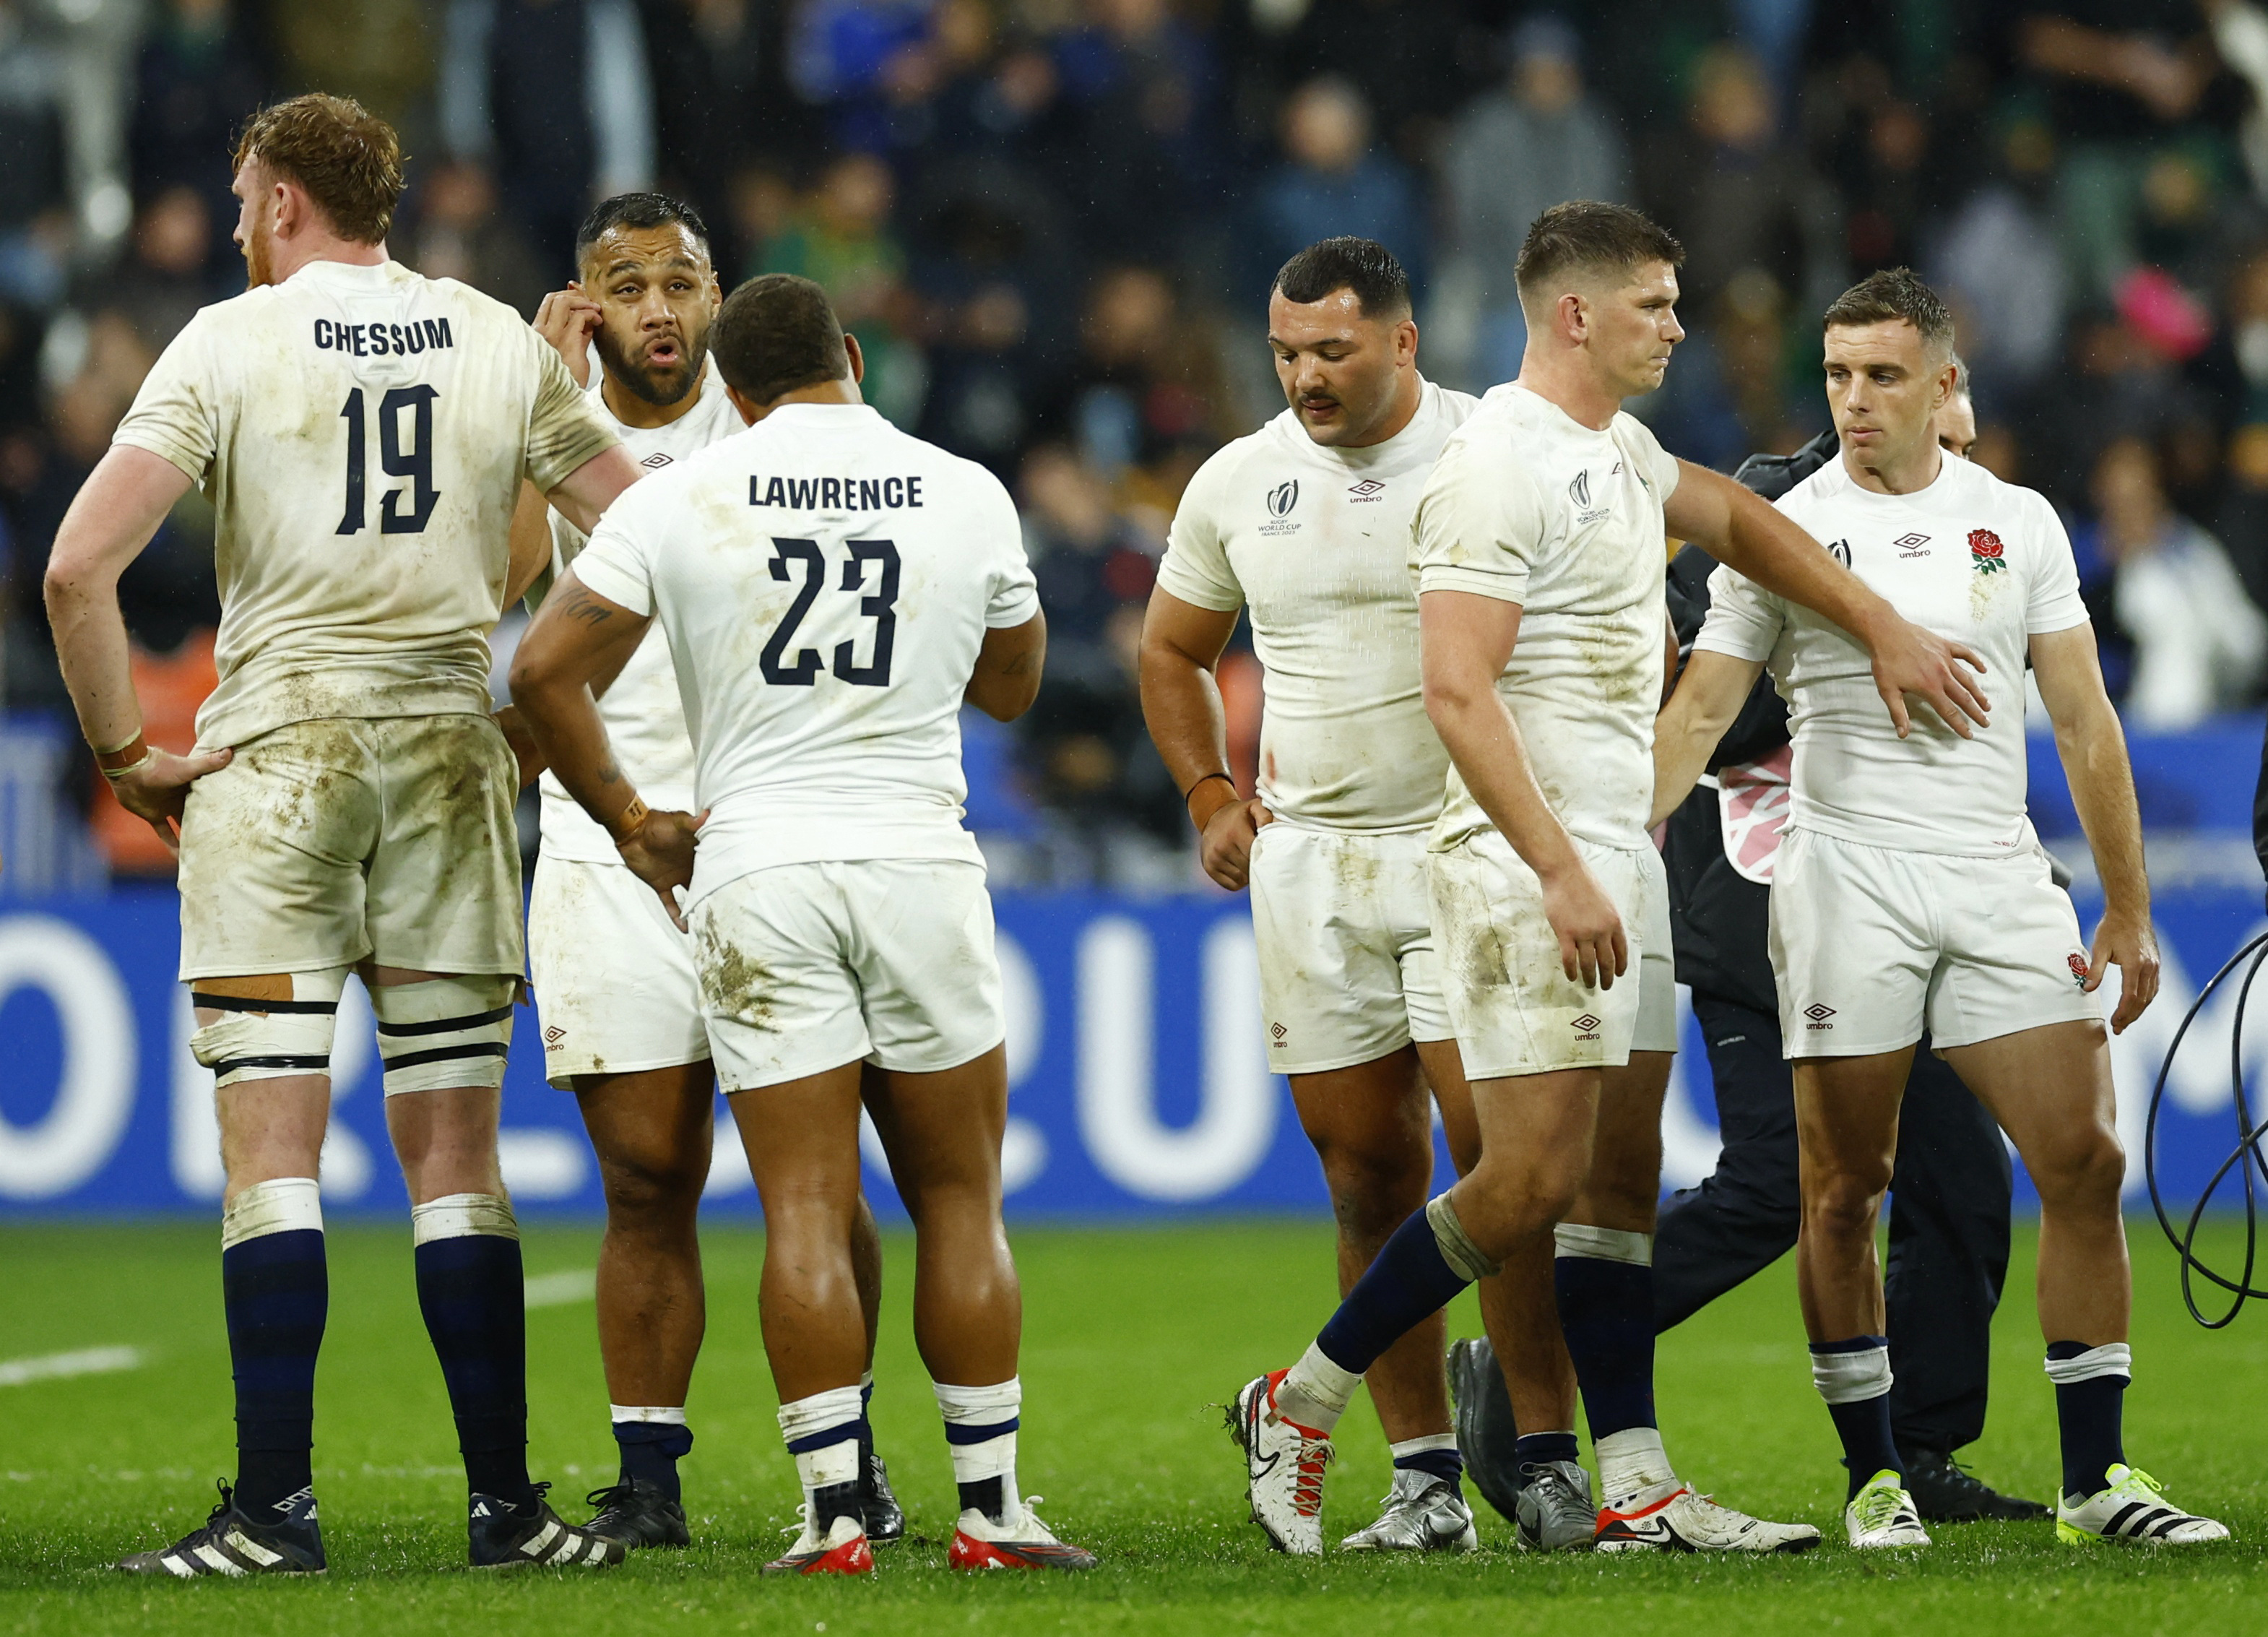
{"points": [[1281, 499]]}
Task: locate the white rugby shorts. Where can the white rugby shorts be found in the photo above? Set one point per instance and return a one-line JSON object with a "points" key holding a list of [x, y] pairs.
{"points": [[1514, 1009], [328, 841], [807, 967], [1345, 925], [1871, 944], [616, 987]]}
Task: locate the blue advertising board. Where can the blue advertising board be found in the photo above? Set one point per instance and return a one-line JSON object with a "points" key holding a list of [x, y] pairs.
{"points": [[1140, 1083]]}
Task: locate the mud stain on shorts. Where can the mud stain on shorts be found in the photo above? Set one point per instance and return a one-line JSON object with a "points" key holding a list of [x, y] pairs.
{"points": [[734, 986]]}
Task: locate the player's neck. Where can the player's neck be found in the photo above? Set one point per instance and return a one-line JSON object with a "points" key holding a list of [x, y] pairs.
{"points": [[1574, 391], [1397, 419], [638, 413], [288, 256], [1916, 469]]}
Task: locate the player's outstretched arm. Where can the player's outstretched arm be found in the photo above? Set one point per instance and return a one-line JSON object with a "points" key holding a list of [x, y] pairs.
{"points": [[1006, 679], [2093, 748], [110, 520], [1182, 643], [1709, 696], [1750, 536], [579, 635], [1467, 641], [583, 495]]}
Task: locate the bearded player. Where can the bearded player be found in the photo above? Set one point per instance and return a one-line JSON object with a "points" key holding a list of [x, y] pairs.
{"points": [[1539, 542], [1910, 893], [363, 434], [616, 988]]}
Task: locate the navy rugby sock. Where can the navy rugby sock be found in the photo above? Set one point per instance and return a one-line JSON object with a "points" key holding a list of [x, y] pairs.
{"points": [[1539, 1448], [474, 1295], [1408, 1278], [1606, 1313], [275, 1288], [1854, 1375], [2090, 1387], [651, 1451], [1436, 1456]]}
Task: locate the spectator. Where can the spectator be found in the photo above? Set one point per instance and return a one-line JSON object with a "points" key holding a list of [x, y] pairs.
{"points": [[1513, 152], [379, 52], [1149, 166], [1334, 182], [1147, 381], [1405, 56], [167, 279], [718, 100], [554, 96], [1736, 196], [2195, 641], [1997, 259], [198, 79], [841, 239], [458, 233], [35, 217]]}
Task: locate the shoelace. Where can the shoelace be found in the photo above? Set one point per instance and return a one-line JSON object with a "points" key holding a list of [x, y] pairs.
{"points": [[608, 1498], [1308, 1463], [2137, 1476], [1878, 1506]]}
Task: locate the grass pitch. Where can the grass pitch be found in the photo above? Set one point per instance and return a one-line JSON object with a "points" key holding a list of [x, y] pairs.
{"points": [[1132, 1338]]}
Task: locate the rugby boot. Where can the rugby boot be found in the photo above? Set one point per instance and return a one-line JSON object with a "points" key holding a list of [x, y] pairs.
{"points": [[1670, 1517], [1422, 1513], [1284, 1464], [1882, 1515], [504, 1537], [885, 1518], [1556, 1512], [841, 1550], [2133, 1508], [1018, 1542], [1487, 1436], [1945, 1491], [232, 1542], [638, 1514]]}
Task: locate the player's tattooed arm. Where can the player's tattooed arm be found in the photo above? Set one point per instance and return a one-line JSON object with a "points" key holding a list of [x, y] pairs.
{"points": [[575, 637], [1006, 677], [2091, 747], [1750, 536], [1709, 696]]}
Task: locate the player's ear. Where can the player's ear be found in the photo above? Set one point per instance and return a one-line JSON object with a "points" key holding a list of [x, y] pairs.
{"points": [[858, 357]]}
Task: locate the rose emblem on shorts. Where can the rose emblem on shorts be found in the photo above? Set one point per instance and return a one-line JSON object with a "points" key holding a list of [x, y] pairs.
{"points": [[1986, 551], [2078, 964]]}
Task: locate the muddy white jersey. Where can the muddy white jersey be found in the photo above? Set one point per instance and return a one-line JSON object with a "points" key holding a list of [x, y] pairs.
{"points": [[645, 719], [1314, 542], [825, 581], [1972, 558], [362, 433], [1527, 506]]}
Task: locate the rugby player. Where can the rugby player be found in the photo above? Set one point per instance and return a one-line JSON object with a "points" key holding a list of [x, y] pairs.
{"points": [[615, 989], [1911, 894], [832, 590], [1306, 523], [1539, 542], [363, 434]]}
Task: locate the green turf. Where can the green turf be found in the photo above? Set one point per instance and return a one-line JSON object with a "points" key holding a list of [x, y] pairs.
{"points": [[1130, 1338]]}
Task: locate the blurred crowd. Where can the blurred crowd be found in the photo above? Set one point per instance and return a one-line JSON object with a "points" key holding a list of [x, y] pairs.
{"points": [[1052, 223]]}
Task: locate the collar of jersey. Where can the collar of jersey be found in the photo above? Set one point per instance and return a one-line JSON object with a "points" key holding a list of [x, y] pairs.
{"points": [[1371, 457], [822, 413], [349, 273], [1839, 474]]}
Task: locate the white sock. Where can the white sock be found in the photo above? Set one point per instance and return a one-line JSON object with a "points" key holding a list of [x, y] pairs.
{"points": [[822, 1435], [1629, 1461], [980, 1432], [1316, 1392]]}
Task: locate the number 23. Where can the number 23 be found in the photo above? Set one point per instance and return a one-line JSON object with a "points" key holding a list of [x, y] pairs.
{"points": [[879, 605]]}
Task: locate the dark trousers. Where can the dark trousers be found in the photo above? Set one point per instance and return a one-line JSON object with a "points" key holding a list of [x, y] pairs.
{"points": [[1949, 1197]]}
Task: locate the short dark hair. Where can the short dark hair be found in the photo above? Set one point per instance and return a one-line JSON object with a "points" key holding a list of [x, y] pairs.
{"points": [[1382, 288], [1892, 296], [637, 211], [1589, 235], [775, 333], [348, 159]]}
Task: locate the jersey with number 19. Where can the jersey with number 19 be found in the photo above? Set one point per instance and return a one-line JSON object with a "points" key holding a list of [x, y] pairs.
{"points": [[362, 433], [826, 582]]}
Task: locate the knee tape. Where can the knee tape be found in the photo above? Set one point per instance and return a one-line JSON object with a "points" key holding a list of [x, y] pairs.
{"points": [[1603, 1244], [282, 1205], [1456, 1246], [461, 1216], [1852, 1371], [268, 1039], [2113, 1358], [444, 1032]]}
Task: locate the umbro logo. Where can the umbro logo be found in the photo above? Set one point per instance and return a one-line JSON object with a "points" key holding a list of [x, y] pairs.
{"points": [[657, 459], [1910, 545], [1277, 1031], [1819, 1015], [1369, 489], [554, 1034], [1586, 1027]]}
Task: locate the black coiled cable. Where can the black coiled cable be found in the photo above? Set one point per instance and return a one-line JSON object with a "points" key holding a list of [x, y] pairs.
{"points": [[2245, 1158]]}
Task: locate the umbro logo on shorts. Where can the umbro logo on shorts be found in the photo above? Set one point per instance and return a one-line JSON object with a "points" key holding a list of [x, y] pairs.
{"points": [[1276, 1032], [1587, 1027], [657, 459], [1819, 1015], [554, 1034]]}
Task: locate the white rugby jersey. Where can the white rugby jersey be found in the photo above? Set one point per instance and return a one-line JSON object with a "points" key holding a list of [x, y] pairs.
{"points": [[1969, 557], [362, 433], [826, 581], [645, 719], [1527, 506], [1315, 541]]}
